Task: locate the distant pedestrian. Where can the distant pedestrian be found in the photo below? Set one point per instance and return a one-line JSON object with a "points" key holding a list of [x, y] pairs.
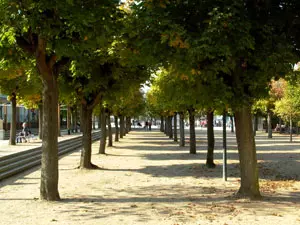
{"points": [[146, 125], [149, 124]]}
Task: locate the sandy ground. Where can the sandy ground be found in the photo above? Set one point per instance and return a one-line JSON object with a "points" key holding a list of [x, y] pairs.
{"points": [[147, 179]]}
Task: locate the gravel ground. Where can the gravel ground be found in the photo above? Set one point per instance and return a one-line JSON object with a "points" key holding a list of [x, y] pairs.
{"points": [[147, 179]]}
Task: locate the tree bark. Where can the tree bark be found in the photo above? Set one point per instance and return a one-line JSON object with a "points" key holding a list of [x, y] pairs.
{"points": [[247, 154], [86, 128], [162, 127], [13, 125], [49, 168], [269, 124], [5, 126], [128, 123], [40, 121], [99, 121], [291, 129], [166, 126], [69, 119], [49, 160], [181, 124], [121, 126], [28, 118], [103, 132], [255, 124], [192, 131], [280, 125], [210, 140], [110, 138], [170, 127], [232, 127], [75, 119], [58, 120], [175, 128], [117, 129]]}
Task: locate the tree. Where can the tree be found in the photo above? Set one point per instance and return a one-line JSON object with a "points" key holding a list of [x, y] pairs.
{"points": [[267, 104], [20, 83], [288, 107], [51, 33], [241, 43]]}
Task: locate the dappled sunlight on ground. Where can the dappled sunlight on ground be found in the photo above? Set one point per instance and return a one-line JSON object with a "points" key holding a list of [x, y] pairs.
{"points": [[147, 178]]}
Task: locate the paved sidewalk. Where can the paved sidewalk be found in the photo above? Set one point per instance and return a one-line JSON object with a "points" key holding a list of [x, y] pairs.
{"points": [[6, 149]]}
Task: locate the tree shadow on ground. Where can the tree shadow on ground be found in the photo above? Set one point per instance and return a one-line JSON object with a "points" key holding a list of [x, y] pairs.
{"points": [[138, 200], [164, 199]]}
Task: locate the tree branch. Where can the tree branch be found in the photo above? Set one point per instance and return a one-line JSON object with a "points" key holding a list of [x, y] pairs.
{"points": [[60, 64], [25, 45], [95, 101], [52, 60]]}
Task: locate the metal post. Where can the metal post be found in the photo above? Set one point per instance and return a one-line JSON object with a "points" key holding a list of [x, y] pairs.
{"points": [[224, 148]]}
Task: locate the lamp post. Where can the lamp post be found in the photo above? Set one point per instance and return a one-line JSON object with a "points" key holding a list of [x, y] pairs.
{"points": [[224, 147]]}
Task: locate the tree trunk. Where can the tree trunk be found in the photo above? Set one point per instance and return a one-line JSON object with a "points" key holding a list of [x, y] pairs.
{"points": [[166, 126], [162, 127], [127, 124], [170, 127], [49, 167], [192, 131], [73, 119], [269, 124], [110, 139], [28, 118], [76, 119], [13, 124], [99, 121], [69, 119], [291, 129], [49, 158], [116, 128], [255, 124], [103, 132], [58, 121], [175, 128], [40, 121], [181, 124], [232, 127], [5, 126], [280, 125], [247, 154], [86, 128], [121, 126], [210, 140]]}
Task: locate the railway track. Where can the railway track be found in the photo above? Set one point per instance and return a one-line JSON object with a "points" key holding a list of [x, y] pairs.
{"points": [[21, 161]]}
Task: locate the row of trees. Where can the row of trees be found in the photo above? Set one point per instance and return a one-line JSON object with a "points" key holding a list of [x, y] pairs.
{"points": [[219, 55], [281, 105], [72, 52]]}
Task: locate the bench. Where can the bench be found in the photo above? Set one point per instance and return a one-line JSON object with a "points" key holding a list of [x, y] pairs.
{"points": [[26, 138]]}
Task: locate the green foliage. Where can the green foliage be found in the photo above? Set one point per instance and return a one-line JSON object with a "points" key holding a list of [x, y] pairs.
{"points": [[239, 44], [21, 81], [289, 106], [264, 105]]}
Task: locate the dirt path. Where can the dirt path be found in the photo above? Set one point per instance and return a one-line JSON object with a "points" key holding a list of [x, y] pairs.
{"points": [[148, 179]]}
